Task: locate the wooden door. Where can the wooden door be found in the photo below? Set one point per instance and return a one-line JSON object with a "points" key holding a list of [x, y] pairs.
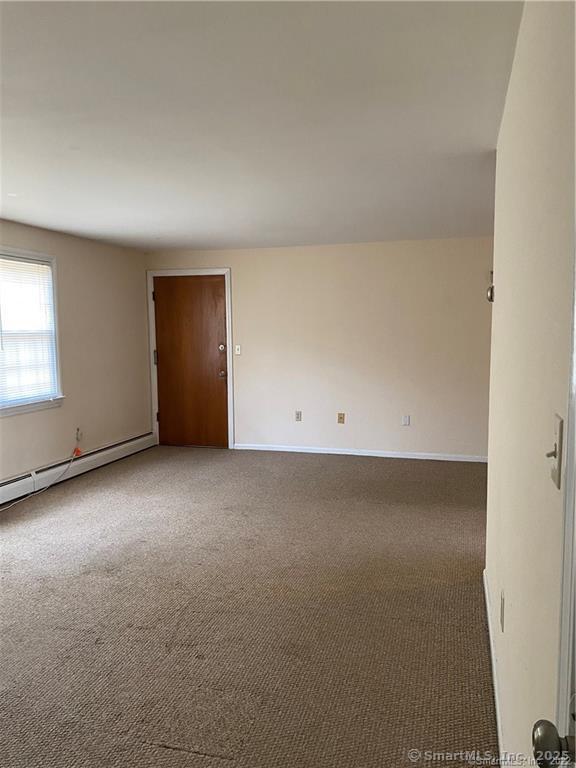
{"points": [[191, 360]]}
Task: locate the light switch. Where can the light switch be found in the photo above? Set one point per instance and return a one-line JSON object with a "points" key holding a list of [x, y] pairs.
{"points": [[237, 349], [556, 453]]}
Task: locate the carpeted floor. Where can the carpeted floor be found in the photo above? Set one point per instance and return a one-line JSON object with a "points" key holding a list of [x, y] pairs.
{"points": [[207, 609]]}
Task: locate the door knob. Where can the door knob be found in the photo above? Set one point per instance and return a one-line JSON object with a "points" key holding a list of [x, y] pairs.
{"points": [[221, 347], [222, 374], [550, 749]]}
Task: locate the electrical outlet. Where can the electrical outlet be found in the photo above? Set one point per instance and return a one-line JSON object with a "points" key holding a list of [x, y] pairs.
{"points": [[502, 607], [341, 418], [405, 421], [298, 415]]}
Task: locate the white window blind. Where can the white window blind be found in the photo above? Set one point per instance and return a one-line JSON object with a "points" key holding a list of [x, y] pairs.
{"points": [[28, 348]]}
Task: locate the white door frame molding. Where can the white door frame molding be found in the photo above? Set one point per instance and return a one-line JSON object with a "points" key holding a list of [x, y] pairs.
{"points": [[567, 653], [151, 274]]}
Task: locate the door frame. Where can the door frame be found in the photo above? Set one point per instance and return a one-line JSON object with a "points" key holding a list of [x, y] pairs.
{"points": [[150, 275], [567, 653]]}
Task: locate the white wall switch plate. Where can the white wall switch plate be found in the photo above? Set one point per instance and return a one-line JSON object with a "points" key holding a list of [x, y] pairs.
{"points": [[237, 349], [556, 469], [405, 421]]}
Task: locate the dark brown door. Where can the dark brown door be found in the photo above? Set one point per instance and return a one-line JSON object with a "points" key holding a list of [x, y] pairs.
{"points": [[191, 357]]}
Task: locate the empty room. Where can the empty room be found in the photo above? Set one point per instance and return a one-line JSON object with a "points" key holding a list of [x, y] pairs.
{"points": [[287, 384]]}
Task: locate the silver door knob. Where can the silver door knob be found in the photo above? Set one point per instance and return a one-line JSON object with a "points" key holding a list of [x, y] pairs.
{"points": [[221, 347], [550, 749], [222, 374]]}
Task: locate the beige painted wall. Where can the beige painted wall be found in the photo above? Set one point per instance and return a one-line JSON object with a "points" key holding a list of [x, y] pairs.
{"points": [[376, 330], [533, 261], [103, 349]]}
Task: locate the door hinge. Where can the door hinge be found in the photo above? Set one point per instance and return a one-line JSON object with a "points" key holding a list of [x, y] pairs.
{"points": [[153, 295], [157, 416], [155, 357]]}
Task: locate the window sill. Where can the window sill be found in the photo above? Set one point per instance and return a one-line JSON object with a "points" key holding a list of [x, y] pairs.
{"points": [[37, 405]]}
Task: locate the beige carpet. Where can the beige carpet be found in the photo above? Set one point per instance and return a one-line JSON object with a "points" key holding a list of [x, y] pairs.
{"points": [[208, 609]]}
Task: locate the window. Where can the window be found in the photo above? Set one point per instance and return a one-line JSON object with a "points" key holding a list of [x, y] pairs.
{"points": [[29, 375]]}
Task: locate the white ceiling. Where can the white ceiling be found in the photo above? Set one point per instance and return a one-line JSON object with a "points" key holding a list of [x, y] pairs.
{"points": [[253, 124]]}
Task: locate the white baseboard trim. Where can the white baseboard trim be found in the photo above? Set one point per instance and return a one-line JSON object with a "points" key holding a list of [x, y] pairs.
{"points": [[37, 479], [493, 659], [360, 452]]}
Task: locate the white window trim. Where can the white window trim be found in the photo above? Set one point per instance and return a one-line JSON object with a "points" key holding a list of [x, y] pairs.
{"points": [[36, 405], [49, 402]]}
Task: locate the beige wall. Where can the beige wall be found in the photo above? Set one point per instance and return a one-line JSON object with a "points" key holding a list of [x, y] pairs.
{"points": [[103, 350], [534, 261], [376, 330]]}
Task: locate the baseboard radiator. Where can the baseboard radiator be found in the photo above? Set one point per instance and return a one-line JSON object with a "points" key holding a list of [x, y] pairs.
{"points": [[37, 479]]}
